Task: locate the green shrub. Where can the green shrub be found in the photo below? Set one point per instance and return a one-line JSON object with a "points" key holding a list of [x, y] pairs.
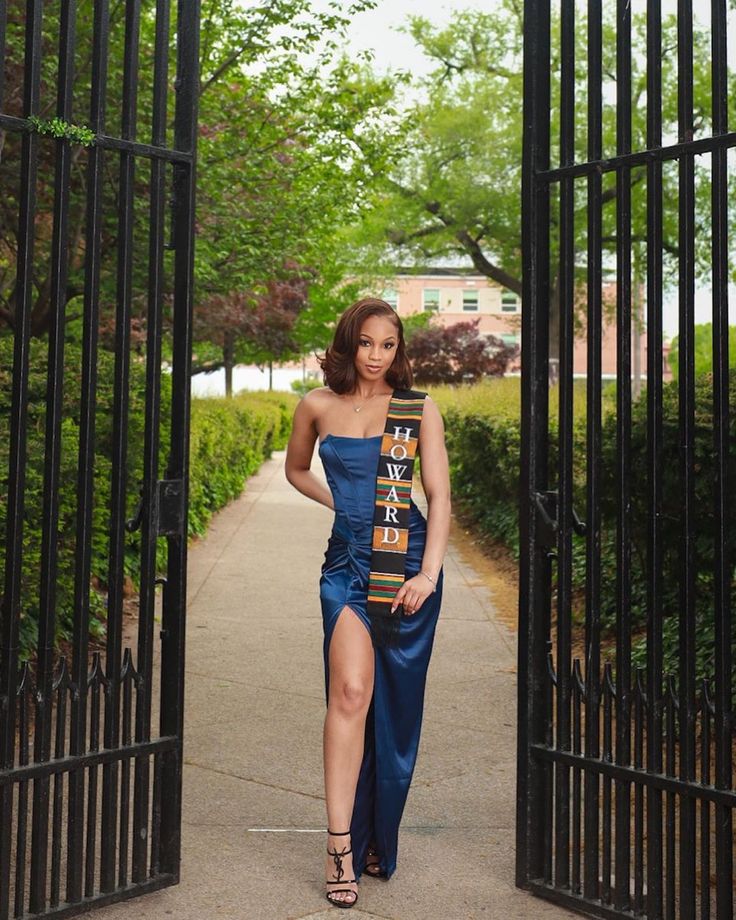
{"points": [[34, 476], [302, 387], [483, 436], [229, 440]]}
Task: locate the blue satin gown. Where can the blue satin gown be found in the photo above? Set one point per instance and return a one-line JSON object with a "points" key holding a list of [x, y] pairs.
{"points": [[394, 718]]}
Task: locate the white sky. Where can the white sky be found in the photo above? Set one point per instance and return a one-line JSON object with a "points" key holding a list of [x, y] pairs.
{"points": [[377, 29]]}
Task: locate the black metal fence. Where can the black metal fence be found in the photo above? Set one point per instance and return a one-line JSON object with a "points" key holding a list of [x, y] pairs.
{"points": [[625, 774], [90, 792]]}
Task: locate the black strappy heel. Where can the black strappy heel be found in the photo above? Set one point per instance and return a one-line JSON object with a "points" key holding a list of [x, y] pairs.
{"points": [[373, 868], [337, 856]]}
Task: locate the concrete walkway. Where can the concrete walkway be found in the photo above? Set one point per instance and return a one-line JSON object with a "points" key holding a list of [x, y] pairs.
{"points": [[254, 817]]}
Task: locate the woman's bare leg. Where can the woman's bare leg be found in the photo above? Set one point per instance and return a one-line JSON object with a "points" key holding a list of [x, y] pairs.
{"points": [[351, 664]]}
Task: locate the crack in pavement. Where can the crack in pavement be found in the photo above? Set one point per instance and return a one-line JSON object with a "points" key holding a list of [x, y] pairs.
{"points": [[250, 779]]}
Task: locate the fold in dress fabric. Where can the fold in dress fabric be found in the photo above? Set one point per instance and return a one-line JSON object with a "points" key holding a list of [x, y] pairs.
{"points": [[394, 719]]}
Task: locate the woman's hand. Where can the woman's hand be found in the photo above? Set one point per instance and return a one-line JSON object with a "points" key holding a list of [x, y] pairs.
{"points": [[413, 593]]}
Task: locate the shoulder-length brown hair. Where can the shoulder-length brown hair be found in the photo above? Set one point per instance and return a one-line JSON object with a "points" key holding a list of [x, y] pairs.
{"points": [[338, 363]]}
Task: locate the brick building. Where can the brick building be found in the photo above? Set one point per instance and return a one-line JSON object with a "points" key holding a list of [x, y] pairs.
{"points": [[455, 295]]}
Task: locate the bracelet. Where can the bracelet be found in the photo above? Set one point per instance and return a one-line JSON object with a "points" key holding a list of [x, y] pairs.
{"points": [[431, 579]]}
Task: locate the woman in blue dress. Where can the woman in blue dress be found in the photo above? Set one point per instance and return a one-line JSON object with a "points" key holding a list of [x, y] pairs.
{"points": [[375, 694]]}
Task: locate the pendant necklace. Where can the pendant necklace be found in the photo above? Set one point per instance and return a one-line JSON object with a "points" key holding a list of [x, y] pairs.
{"points": [[358, 408]]}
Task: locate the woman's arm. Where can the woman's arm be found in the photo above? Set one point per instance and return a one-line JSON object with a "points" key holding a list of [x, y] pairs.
{"points": [[435, 476], [300, 449]]}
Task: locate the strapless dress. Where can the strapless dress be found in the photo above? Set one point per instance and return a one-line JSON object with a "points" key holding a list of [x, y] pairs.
{"points": [[394, 719]]}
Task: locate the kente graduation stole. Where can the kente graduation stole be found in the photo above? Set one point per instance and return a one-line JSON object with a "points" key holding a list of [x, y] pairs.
{"points": [[391, 516]]}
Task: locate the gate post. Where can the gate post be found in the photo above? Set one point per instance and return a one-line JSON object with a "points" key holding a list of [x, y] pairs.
{"points": [[534, 573], [174, 596]]}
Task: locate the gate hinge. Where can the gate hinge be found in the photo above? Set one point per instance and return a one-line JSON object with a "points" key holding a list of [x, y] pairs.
{"points": [[171, 515]]}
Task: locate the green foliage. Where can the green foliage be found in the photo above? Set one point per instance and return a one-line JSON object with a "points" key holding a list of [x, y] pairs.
{"points": [[414, 323], [703, 349], [704, 522], [58, 127], [483, 437], [484, 458], [302, 387], [455, 192], [501, 396], [34, 476], [229, 440], [292, 130]]}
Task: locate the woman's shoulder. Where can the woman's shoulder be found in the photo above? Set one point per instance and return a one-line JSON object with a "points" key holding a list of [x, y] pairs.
{"points": [[315, 402], [318, 396]]}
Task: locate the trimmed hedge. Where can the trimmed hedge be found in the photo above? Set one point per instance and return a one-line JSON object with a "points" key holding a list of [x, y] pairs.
{"points": [[484, 449], [229, 440]]}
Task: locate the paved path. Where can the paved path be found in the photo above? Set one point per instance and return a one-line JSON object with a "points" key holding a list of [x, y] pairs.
{"points": [[254, 817]]}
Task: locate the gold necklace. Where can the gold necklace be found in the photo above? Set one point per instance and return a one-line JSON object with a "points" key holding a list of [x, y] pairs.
{"points": [[358, 408]]}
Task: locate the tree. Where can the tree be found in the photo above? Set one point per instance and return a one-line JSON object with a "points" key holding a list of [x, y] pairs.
{"points": [[287, 128], [456, 194], [286, 155], [703, 349]]}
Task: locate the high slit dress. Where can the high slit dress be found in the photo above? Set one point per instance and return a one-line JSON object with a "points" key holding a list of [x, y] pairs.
{"points": [[394, 717]]}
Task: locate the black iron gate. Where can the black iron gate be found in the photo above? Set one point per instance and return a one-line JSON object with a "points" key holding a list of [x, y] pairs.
{"points": [[625, 769], [90, 794]]}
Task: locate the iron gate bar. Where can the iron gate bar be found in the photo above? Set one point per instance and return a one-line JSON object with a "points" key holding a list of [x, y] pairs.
{"points": [[86, 456], [723, 565], [107, 142], [149, 526], [686, 422], [88, 759], [52, 462], [174, 590], [593, 444], [641, 158], [655, 541], [623, 450], [119, 482], [566, 288], [95, 171], [629, 774], [534, 569], [18, 429], [3, 33]]}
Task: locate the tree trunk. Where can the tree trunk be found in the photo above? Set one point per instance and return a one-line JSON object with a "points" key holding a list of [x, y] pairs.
{"points": [[270, 375], [228, 349]]}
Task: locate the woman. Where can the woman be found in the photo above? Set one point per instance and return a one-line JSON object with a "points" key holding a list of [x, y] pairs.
{"points": [[375, 659]]}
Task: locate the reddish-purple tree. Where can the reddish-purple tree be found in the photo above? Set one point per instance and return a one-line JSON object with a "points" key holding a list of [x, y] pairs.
{"points": [[249, 327], [458, 354]]}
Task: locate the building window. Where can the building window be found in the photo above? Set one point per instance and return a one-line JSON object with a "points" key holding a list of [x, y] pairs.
{"points": [[509, 338], [391, 297], [470, 301], [431, 298], [509, 302]]}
